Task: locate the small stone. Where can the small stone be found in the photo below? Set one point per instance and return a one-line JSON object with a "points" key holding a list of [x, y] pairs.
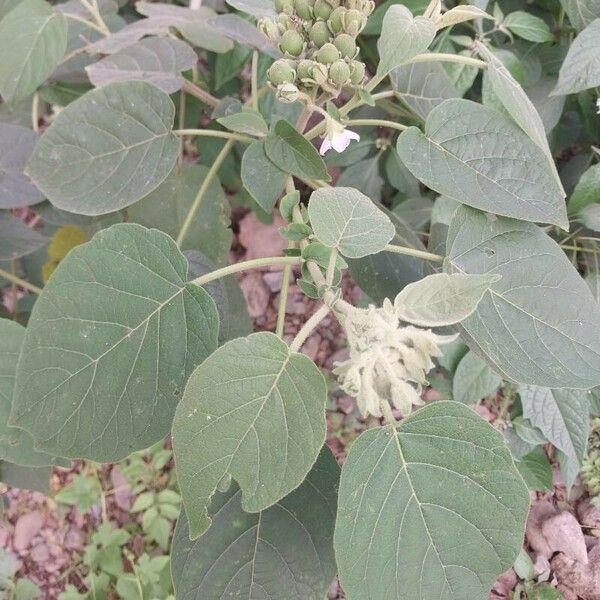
{"points": [[26, 528], [257, 294], [40, 553], [563, 534]]}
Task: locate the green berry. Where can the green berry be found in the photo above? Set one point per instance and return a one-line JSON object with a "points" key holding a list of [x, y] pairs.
{"points": [[327, 54], [319, 34], [304, 8], [322, 9], [357, 72], [284, 6], [339, 72], [281, 72], [353, 22], [291, 43], [346, 45]]}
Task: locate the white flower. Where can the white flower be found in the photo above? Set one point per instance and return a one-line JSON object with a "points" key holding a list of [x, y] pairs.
{"points": [[337, 137], [388, 362], [598, 106]]}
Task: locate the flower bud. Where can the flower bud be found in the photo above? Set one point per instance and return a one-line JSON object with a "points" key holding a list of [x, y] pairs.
{"points": [[304, 68], [284, 6], [354, 22], [287, 92], [327, 54], [366, 7], [346, 45], [318, 74], [357, 72], [291, 43], [319, 34], [269, 29], [304, 8], [335, 21], [281, 72], [339, 72], [322, 9]]}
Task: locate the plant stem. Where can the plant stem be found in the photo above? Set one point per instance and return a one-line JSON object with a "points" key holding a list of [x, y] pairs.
{"points": [[388, 415], [20, 282], [254, 77], [87, 23], [35, 112], [383, 95], [238, 137], [308, 328], [413, 252], [453, 58], [375, 123], [202, 191], [245, 265], [198, 92], [331, 266]]}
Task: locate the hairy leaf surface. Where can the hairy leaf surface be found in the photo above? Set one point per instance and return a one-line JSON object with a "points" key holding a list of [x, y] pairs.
{"points": [[252, 410], [110, 344], [473, 380], [414, 508]]}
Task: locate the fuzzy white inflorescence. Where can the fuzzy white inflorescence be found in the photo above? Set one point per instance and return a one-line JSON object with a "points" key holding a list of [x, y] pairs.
{"points": [[388, 361]]}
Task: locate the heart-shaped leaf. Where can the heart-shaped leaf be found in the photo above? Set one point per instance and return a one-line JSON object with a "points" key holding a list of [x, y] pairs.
{"points": [[255, 411], [110, 344], [285, 551], [414, 508], [106, 150]]}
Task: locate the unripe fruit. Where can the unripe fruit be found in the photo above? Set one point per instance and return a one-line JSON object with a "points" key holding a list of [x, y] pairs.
{"points": [[335, 21], [319, 34], [357, 72], [327, 54], [291, 43], [322, 9], [281, 72], [346, 45], [339, 72], [304, 68], [354, 21], [286, 6], [270, 29], [304, 8]]}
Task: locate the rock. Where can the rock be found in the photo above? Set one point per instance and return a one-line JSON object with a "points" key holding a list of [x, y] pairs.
{"points": [[261, 240], [273, 279], [311, 346], [541, 565], [40, 553], [563, 534], [122, 495], [26, 528], [578, 580], [505, 585], [539, 512], [257, 294], [589, 515]]}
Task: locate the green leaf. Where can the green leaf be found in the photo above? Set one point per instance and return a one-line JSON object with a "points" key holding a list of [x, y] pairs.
{"points": [[293, 153], [473, 380], [26, 478], [563, 417], [33, 39], [158, 61], [536, 470], [256, 8], [414, 508], [479, 157], [16, 445], [581, 67], [587, 190], [528, 26], [422, 86], [16, 239], [246, 121], [264, 181], [16, 145], [581, 12], [168, 205], [518, 106], [402, 38], [106, 150], [283, 552], [247, 34], [346, 219], [365, 176], [110, 344], [442, 299], [540, 323], [252, 410]]}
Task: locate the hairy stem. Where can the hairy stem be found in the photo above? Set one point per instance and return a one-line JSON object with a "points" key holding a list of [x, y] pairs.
{"points": [[226, 135], [454, 58], [20, 282], [375, 123], [87, 23], [246, 265], [254, 76], [308, 328], [198, 92], [414, 252], [35, 112], [202, 191]]}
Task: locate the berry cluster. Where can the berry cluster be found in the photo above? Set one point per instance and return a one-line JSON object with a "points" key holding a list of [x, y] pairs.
{"points": [[318, 41]]}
